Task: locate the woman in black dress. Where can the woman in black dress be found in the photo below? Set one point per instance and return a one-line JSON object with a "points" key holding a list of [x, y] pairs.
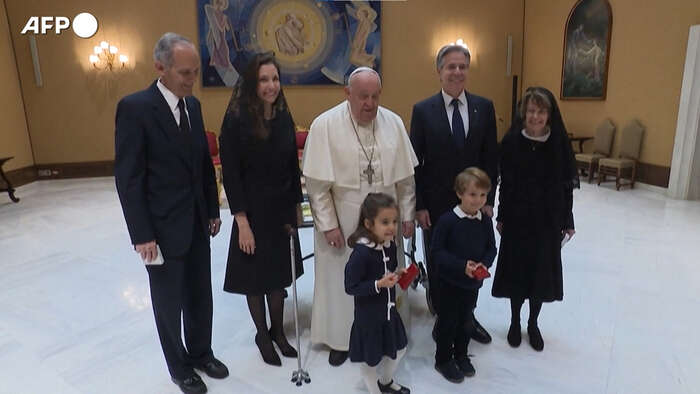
{"points": [[538, 175], [261, 178]]}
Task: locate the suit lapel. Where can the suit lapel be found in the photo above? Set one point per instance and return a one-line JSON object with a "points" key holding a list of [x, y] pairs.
{"points": [[474, 116], [443, 126], [165, 119]]}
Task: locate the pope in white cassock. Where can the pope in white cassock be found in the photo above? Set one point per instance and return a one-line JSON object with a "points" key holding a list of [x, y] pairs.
{"points": [[354, 148]]}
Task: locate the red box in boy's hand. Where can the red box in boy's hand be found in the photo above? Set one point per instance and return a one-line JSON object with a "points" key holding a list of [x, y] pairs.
{"points": [[481, 273], [407, 278]]}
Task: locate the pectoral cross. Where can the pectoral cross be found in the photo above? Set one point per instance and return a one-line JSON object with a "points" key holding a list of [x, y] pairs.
{"points": [[369, 171]]}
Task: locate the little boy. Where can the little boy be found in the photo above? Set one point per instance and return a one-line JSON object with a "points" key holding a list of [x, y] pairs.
{"points": [[463, 243]]}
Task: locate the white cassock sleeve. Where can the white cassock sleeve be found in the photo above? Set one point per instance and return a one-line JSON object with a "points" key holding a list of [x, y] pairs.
{"points": [[406, 198], [322, 205]]}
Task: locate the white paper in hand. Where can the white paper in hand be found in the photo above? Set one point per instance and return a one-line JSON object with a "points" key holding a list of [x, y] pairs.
{"points": [[565, 239], [158, 260]]}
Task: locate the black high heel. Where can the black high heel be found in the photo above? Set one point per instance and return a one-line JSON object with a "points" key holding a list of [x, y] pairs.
{"points": [[267, 350], [286, 349]]}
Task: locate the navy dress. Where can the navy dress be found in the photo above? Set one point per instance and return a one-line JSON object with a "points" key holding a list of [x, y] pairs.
{"points": [[377, 330]]}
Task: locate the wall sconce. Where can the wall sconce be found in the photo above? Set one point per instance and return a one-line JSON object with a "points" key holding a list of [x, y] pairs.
{"points": [[107, 57]]}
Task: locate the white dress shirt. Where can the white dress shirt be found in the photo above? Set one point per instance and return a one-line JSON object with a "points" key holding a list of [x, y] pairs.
{"points": [[463, 110], [172, 101]]}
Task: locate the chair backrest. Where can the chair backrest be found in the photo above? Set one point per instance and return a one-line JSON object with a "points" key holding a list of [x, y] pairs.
{"points": [[631, 143], [604, 138], [213, 145], [301, 138]]}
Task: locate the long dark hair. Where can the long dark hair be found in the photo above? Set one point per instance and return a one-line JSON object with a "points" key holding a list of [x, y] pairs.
{"points": [[369, 210], [245, 94]]}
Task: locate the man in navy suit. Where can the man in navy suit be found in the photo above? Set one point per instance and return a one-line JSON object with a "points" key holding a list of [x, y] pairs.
{"points": [[451, 131], [167, 188]]}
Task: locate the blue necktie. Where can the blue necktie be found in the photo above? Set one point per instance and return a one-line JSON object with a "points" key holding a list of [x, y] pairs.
{"points": [[457, 125]]}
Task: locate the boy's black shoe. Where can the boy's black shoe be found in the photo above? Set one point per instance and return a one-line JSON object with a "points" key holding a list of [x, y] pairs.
{"points": [[514, 335], [450, 371], [386, 388], [465, 365], [191, 385], [480, 334], [536, 340]]}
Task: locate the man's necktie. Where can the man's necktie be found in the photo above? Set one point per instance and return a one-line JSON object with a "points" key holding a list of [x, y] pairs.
{"points": [[184, 123], [457, 125]]}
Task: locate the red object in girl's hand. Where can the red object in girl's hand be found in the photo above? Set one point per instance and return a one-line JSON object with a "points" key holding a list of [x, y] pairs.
{"points": [[481, 273], [407, 278]]}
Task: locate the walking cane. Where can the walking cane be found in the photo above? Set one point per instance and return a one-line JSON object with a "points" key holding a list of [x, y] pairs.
{"points": [[299, 376]]}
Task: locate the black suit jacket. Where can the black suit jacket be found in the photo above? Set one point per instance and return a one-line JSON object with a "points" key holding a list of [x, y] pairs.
{"points": [[439, 160], [159, 186]]}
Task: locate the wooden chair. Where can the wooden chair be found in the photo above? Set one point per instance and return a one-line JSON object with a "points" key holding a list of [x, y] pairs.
{"points": [[215, 159], [626, 163], [602, 145]]}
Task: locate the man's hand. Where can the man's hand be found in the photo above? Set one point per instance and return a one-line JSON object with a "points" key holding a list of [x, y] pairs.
{"points": [[214, 226], [423, 218], [499, 227], [470, 268], [147, 251], [335, 238], [408, 228], [487, 210]]}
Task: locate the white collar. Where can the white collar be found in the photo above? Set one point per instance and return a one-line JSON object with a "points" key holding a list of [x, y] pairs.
{"points": [[542, 138], [461, 214], [448, 99], [372, 245], [169, 96]]}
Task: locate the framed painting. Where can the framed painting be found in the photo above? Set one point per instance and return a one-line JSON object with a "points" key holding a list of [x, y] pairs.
{"points": [[584, 74], [316, 42]]}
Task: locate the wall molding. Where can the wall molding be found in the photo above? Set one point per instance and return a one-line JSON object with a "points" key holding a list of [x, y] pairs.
{"points": [[88, 169], [22, 176], [653, 174]]}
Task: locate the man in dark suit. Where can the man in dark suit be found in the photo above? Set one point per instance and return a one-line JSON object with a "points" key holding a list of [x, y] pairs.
{"points": [[451, 131], [166, 185]]}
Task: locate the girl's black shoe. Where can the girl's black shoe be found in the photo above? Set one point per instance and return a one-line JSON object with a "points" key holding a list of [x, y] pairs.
{"points": [[386, 388]]}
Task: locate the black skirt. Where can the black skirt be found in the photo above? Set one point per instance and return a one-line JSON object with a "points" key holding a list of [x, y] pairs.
{"points": [[373, 337]]}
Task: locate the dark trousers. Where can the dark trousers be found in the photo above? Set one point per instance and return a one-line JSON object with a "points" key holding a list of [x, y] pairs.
{"points": [[433, 281], [455, 322], [181, 296]]}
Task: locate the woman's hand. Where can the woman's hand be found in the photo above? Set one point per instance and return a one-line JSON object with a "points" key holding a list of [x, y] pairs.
{"points": [[499, 227], [246, 240], [389, 280]]}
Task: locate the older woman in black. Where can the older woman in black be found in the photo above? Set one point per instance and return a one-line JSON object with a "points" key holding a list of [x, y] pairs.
{"points": [[261, 179], [538, 176]]}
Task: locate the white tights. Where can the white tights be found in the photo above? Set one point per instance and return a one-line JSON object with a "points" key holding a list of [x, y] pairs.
{"points": [[388, 367]]}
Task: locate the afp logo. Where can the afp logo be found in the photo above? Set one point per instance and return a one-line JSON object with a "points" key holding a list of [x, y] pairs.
{"points": [[84, 25]]}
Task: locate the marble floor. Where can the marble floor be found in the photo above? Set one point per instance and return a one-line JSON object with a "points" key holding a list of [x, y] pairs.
{"points": [[75, 314]]}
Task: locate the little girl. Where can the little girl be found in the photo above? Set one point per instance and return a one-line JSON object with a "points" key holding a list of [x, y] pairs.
{"points": [[378, 337]]}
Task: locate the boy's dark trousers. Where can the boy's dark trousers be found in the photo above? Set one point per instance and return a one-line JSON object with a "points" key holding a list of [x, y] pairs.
{"points": [[456, 309]]}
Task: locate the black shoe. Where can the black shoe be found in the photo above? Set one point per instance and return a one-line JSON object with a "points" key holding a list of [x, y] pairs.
{"points": [[465, 365], [191, 385], [480, 334], [450, 371], [267, 350], [286, 349], [214, 369], [386, 388], [514, 335], [337, 357], [536, 340]]}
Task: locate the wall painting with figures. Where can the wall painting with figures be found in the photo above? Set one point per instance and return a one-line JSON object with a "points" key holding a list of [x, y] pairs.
{"points": [[315, 42], [586, 51]]}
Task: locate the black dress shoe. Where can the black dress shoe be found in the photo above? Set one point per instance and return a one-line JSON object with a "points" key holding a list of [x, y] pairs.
{"points": [[267, 350], [214, 369], [480, 334], [286, 349], [337, 357], [465, 365], [536, 340], [514, 335], [386, 388], [191, 385], [450, 371]]}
